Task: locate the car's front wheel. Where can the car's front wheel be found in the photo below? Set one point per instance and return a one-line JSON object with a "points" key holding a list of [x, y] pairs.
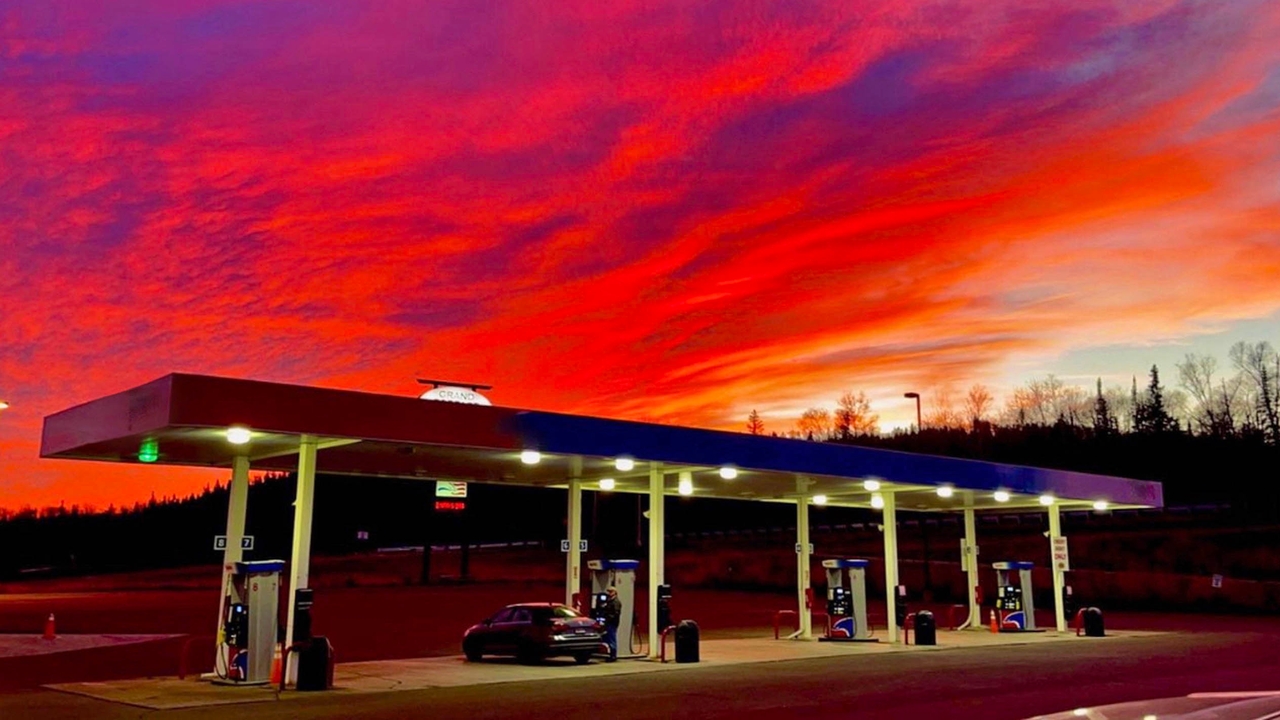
{"points": [[472, 651]]}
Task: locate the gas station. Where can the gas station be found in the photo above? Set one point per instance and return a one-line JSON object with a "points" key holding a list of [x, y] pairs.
{"points": [[244, 425]]}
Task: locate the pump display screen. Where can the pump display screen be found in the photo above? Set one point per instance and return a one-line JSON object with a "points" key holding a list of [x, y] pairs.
{"points": [[1010, 598]]}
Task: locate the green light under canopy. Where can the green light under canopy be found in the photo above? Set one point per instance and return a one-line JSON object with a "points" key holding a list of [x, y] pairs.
{"points": [[149, 451]]}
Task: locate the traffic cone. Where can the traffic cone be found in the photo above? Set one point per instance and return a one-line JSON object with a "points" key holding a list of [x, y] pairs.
{"points": [[50, 633], [276, 668], [995, 622]]}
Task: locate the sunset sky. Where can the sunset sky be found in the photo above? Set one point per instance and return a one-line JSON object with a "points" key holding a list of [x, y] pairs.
{"points": [[651, 210]]}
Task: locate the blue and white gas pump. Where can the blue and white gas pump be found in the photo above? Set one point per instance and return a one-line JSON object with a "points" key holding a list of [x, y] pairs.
{"points": [[620, 575], [247, 641], [847, 603], [1015, 601]]}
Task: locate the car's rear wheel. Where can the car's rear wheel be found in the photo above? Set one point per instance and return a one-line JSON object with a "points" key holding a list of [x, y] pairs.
{"points": [[472, 651], [582, 658]]}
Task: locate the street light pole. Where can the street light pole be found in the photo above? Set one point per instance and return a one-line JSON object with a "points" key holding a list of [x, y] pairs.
{"points": [[916, 396]]}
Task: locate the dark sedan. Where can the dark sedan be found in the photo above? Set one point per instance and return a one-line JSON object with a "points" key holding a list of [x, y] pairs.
{"points": [[533, 631]]}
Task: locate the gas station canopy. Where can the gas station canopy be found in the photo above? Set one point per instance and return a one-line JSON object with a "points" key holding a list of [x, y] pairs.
{"points": [[183, 419]]}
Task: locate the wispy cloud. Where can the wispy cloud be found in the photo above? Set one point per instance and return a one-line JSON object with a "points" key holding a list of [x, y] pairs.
{"points": [[636, 209]]}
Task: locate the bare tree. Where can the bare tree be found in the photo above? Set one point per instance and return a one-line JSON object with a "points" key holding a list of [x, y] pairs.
{"points": [[815, 424], [1259, 365], [942, 411], [978, 402], [755, 425], [854, 416], [1214, 407]]}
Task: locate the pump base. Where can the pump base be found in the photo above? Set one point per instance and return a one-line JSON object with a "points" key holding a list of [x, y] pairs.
{"points": [[240, 683], [824, 638]]}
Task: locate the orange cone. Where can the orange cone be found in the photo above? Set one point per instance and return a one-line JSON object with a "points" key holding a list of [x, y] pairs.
{"points": [[276, 667], [50, 631], [995, 621]]}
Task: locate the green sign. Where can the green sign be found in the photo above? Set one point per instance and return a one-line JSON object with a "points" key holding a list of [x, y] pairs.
{"points": [[149, 451], [448, 489]]}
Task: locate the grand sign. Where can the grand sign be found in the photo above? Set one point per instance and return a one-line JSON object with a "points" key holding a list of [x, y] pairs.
{"points": [[452, 393]]}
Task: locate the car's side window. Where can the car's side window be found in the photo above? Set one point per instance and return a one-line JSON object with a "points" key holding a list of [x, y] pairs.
{"points": [[521, 615], [503, 615]]}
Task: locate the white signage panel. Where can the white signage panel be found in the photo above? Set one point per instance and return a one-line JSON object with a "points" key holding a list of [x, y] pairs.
{"points": [[453, 393]]}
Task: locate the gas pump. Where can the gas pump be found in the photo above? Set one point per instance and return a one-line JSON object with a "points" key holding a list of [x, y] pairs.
{"points": [[847, 604], [621, 575], [249, 629], [1015, 600]]}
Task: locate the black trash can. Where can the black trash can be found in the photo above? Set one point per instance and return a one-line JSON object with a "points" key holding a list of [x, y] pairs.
{"points": [[687, 642], [926, 628], [1093, 626], [315, 664]]}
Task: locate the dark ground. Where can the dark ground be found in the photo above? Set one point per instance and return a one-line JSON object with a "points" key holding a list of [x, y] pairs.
{"points": [[1203, 654]]}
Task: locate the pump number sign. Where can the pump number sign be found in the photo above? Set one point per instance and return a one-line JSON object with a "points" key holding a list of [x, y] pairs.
{"points": [[220, 542]]}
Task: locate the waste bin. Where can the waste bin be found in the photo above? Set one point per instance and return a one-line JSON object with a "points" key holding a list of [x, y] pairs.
{"points": [[315, 664], [687, 642], [1093, 626], [926, 628]]}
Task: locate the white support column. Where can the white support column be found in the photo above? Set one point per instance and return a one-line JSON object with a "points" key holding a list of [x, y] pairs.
{"points": [[891, 565], [237, 505], [803, 560], [1059, 579], [300, 562], [573, 563], [970, 563], [656, 571]]}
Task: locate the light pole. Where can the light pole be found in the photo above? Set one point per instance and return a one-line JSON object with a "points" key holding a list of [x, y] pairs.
{"points": [[916, 397]]}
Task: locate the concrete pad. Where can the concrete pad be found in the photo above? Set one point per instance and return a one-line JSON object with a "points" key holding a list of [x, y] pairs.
{"points": [[382, 676], [22, 645]]}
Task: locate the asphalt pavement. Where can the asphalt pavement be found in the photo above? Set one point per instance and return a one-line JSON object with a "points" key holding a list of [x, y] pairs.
{"points": [[988, 683]]}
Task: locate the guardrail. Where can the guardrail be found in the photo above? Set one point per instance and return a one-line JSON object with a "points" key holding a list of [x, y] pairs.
{"points": [[186, 650], [662, 643], [777, 621]]}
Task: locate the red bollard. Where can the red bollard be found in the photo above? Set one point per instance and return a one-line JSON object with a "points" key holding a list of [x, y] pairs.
{"points": [[50, 633]]}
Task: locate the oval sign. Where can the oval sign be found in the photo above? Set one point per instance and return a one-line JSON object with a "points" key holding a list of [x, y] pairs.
{"points": [[451, 393]]}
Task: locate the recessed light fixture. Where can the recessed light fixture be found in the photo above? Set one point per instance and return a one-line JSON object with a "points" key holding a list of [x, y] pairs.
{"points": [[1100, 505], [530, 457], [877, 501], [946, 491], [1047, 499], [238, 435], [686, 484], [728, 472], [819, 499], [871, 485], [1001, 496], [624, 464], [608, 483]]}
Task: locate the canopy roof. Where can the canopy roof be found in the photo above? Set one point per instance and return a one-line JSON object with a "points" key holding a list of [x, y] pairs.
{"points": [[371, 434]]}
